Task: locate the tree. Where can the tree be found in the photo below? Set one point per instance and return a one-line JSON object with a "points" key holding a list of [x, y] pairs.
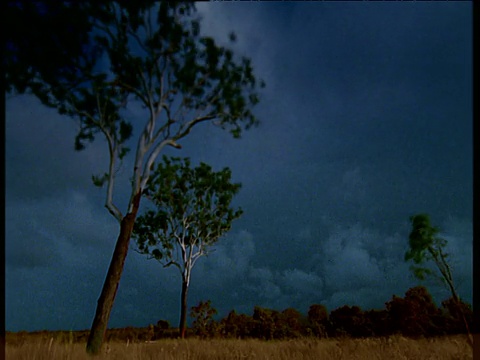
{"points": [[289, 324], [192, 212], [229, 325], [376, 322], [161, 328], [318, 319], [453, 314], [264, 327], [348, 320], [155, 57], [414, 315], [425, 246], [237, 325], [203, 323]]}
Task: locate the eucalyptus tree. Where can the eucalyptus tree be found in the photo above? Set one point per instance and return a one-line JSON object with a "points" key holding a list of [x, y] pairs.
{"points": [[143, 53], [425, 246], [193, 210]]}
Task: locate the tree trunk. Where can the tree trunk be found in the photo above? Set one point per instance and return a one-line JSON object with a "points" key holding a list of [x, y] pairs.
{"points": [[465, 322], [112, 280], [183, 310]]}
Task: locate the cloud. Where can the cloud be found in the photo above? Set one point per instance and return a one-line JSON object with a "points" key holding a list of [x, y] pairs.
{"points": [[263, 284], [229, 260], [346, 151], [56, 230], [305, 284], [356, 260], [40, 156], [352, 187]]}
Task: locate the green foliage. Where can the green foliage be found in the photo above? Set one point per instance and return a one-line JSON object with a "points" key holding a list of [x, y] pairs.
{"points": [[420, 272], [421, 239], [89, 60], [192, 212], [425, 247], [99, 180], [192, 209]]}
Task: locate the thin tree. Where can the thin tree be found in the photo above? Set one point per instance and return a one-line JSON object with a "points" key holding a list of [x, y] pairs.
{"points": [[143, 53], [426, 246], [192, 212]]}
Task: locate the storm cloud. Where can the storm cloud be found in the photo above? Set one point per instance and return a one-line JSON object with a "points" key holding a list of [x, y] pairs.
{"points": [[366, 120]]}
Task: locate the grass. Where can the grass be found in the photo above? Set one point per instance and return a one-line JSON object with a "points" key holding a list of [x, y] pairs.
{"points": [[397, 347]]}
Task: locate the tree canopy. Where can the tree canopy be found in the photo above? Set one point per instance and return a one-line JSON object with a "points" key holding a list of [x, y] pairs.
{"points": [[192, 211]]}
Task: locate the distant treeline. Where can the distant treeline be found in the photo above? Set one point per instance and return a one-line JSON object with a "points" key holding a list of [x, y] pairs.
{"points": [[414, 315]]}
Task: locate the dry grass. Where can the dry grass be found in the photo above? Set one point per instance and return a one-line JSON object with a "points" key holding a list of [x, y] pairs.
{"points": [[452, 347]]}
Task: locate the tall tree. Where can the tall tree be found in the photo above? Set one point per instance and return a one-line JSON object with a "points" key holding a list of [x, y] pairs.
{"points": [[426, 246], [192, 212], [143, 53]]}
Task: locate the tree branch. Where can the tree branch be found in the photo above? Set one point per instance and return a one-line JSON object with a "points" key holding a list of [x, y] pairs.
{"points": [[112, 209], [188, 126], [151, 159], [173, 263]]}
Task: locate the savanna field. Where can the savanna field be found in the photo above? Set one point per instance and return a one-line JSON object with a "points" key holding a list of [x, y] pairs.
{"points": [[397, 332], [29, 346]]}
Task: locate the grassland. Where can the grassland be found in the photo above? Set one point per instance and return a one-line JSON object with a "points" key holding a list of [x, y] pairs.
{"points": [[397, 347]]}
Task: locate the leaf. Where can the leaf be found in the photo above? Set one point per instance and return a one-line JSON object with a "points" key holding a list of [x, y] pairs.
{"points": [[123, 151], [125, 131], [157, 254], [99, 180]]}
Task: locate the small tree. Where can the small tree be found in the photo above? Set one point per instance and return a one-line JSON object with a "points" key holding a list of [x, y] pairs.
{"points": [[203, 323], [229, 325], [318, 317], [348, 320], [415, 315], [425, 246], [377, 322], [193, 212], [290, 324], [238, 325], [264, 326], [453, 313]]}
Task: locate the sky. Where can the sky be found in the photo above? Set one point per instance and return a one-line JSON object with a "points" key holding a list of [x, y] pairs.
{"points": [[366, 120]]}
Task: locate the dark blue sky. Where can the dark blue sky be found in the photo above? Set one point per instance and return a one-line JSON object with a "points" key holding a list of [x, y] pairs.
{"points": [[365, 121]]}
